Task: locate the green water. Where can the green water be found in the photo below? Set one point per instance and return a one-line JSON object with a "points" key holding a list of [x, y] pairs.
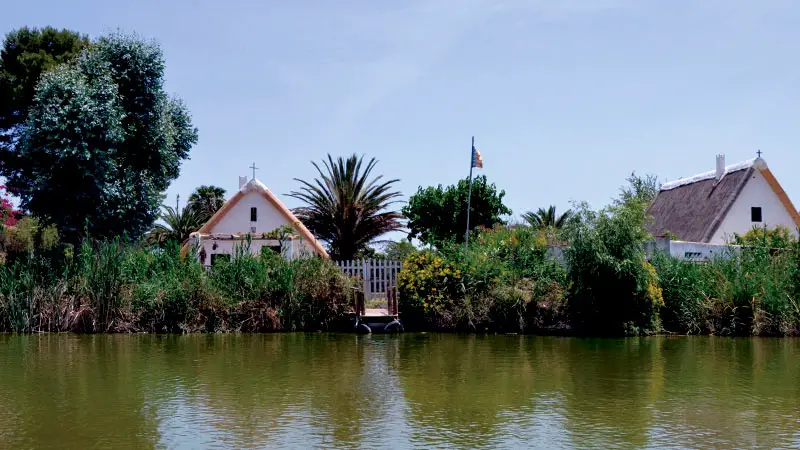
{"points": [[415, 390]]}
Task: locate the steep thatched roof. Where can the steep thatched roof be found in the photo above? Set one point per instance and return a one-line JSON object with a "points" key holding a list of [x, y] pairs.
{"points": [[692, 209]]}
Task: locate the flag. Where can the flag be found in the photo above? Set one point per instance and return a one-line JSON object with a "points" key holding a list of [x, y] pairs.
{"points": [[477, 161]]}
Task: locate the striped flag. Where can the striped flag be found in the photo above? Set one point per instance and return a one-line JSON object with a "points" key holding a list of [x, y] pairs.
{"points": [[477, 161]]}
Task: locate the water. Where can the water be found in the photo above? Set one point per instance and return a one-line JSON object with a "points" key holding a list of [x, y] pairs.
{"points": [[415, 390]]}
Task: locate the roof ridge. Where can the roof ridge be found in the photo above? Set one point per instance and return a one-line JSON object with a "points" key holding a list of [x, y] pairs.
{"points": [[742, 165]]}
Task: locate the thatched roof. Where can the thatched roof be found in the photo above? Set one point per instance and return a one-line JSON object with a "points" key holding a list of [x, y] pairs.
{"points": [[692, 209]]}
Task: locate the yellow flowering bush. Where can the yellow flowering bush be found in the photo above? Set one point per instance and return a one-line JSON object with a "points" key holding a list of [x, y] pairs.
{"points": [[654, 292], [428, 283]]}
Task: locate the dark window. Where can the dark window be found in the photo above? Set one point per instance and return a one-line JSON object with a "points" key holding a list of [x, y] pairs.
{"points": [[755, 214], [253, 214], [219, 257]]}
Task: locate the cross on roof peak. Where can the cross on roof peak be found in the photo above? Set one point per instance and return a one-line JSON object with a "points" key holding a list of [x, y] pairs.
{"points": [[254, 170], [759, 153]]}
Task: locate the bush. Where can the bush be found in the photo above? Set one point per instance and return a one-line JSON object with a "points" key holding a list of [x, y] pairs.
{"points": [[503, 282], [429, 287], [613, 289]]}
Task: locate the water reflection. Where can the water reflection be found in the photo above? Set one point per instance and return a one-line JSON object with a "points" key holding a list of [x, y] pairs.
{"points": [[415, 390]]}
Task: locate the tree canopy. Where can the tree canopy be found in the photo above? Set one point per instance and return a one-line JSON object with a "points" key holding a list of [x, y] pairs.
{"points": [[399, 250], [206, 200], [102, 141], [438, 214], [25, 55], [347, 207]]}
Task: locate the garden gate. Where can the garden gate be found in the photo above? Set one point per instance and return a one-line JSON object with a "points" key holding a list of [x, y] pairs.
{"points": [[377, 276]]}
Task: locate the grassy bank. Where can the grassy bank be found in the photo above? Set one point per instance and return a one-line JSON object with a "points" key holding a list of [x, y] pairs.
{"points": [[111, 287], [504, 282]]}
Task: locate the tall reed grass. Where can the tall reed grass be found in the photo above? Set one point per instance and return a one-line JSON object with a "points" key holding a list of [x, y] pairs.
{"points": [[112, 286]]}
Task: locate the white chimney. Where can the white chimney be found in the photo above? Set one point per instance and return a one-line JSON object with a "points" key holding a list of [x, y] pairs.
{"points": [[720, 166], [242, 182]]}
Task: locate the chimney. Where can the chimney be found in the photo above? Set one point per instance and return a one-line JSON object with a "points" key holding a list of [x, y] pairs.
{"points": [[720, 166], [242, 182]]}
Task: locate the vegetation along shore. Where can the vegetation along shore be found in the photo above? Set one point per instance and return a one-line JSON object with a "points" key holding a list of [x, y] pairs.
{"points": [[89, 142]]}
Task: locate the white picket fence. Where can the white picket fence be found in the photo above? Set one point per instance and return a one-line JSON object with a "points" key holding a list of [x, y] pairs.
{"points": [[377, 275]]}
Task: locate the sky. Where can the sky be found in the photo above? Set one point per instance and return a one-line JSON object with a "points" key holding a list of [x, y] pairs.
{"points": [[565, 98]]}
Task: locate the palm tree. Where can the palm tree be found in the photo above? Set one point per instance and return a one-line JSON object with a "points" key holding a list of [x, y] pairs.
{"points": [[206, 200], [546, 218], [345, 208], [176, 225]]}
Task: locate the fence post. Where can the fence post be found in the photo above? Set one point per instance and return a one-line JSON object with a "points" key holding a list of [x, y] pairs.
{"points": [[365, 275]]}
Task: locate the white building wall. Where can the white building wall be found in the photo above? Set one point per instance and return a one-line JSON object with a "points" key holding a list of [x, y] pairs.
{"points": [[237, 219], [757, 192]]}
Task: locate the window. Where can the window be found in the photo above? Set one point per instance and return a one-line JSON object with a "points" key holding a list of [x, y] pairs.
{"points": [[755, 214], [253, 214]]}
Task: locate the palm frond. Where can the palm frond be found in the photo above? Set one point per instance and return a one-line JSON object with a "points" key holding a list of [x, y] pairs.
{"points": [[345, 206]]}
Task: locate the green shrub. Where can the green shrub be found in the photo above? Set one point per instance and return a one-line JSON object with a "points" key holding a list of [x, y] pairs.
{"points": [[686, 304], [429, 287], [503, 282], [613, 289]]}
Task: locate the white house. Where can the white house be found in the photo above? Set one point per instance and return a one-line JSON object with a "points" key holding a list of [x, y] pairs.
{"points": [[253, 213], [712, 206]]}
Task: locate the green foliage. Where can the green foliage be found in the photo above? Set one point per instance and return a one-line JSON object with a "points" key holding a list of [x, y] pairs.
{"points": [[27, 53], [101, 142], [503, 282], [345, 207], [437, 215], [642, 190], [428, 285], [206, 200], [613, 289], [176, 225], [111, 286], [758, 236], [399, 250], [547, 218], [753, 291], [28, 236]]}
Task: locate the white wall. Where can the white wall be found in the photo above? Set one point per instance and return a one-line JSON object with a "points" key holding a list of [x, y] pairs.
{"points": [[697, 251], [291, 249], [757, 192], [237, 219]]}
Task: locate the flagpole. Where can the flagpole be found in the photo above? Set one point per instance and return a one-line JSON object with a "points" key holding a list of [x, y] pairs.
{"points": [[469, 195]]}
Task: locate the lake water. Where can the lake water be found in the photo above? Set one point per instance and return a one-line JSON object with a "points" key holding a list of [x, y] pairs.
{"points": [[413, 390]]}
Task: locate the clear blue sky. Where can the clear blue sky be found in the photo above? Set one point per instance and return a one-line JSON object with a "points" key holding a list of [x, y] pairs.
{"points": [[565, 98]]}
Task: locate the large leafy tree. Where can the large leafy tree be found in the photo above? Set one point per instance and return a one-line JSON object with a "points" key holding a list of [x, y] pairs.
{"points": [[439, 214], [25, 55], [206, 200], [347, 207], [175, 225], [547, 218], [101, 142]]}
